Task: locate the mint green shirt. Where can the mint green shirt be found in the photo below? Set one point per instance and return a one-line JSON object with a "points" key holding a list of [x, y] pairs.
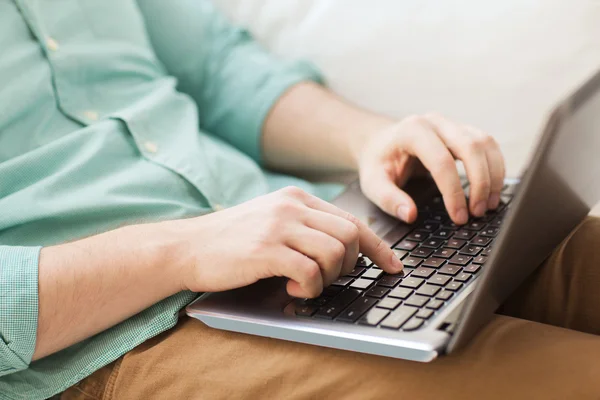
{"points": [[114, 112]]}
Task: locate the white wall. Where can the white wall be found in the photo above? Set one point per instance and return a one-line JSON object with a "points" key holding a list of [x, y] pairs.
{"points": [[499, 64]]}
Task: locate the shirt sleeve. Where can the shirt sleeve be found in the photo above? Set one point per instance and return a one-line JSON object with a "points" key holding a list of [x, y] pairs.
{"points": [[233, 80], [18, 307]]}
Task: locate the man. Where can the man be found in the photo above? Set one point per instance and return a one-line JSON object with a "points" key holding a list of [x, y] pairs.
{"points": [[135, 138]]}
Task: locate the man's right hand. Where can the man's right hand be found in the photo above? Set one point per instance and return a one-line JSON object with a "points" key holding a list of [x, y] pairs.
{"points": [[287, 233]]}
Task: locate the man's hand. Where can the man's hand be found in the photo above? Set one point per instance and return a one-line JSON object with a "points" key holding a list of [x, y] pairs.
{"points": [[286, 233], [431, 142], [311, 129]]}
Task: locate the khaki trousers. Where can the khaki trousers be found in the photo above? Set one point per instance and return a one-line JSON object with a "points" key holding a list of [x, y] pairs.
{"points": [[544, 344]]}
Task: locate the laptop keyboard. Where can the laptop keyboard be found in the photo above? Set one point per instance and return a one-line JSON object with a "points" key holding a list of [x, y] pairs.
{"points": [[440, 259]]}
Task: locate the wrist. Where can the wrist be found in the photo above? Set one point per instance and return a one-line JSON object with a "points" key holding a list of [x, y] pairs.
{"points": [[163, 253], [369, 126]]}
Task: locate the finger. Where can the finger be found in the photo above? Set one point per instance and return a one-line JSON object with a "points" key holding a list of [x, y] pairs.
{"points": [[383, 191], [327, 251], [306, 280], [342, 230], [472, 152], [496, 166], [429, 148], [370, 244]]}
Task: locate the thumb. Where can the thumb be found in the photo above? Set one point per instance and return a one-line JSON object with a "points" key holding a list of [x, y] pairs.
{"points": [[384, 192]]}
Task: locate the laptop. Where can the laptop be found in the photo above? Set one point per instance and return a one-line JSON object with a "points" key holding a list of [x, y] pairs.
{"points": [[455, 277]]}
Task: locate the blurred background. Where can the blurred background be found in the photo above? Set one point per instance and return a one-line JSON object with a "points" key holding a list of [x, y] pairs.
{"points": [[499, 65]]}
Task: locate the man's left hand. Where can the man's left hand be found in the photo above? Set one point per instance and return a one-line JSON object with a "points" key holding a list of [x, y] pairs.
{"points": [[431, 143]]}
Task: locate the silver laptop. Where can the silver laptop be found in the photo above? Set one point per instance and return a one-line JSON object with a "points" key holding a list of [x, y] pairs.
{"points": [[455, 276]]}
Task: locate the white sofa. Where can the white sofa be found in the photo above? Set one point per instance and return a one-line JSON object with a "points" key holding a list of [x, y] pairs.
{"points": [[500, 65]]}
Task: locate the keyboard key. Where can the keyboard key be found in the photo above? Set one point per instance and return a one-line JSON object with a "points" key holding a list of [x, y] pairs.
{"points": [[377, 291], [487, 251], [363, 261], [462, 277], [449, 269], [400, 293], [442, 234], [480, 260], [373, 317], [481, 241], [490, 232], [456, 243], [306, 310], [432, 243], [439, 218], [411, 261], [411, 282], [472, 268], [460, 260], [336, 305], [434, 262], [406, 245], [429, 227], [424, 313], [417, 236], [475, 225], [428, 290], [342, 281], [389, 303], [421, 252], [398, 317], [470, 250], [356, 272], [463, 234], [412, 325], [416, 300], [361, 283], [423, 272], [329, 312], [400, 253], [331, 291], [454, 286], [444, 253], [372, 273], [390, 280], [356, 309], [450, 225], [444, 295], [496, 222], [435, 304], [439, 280]]}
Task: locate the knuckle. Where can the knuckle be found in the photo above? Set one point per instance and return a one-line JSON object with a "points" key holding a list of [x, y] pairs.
{"points": [[415, 119], [474, 144], [284, 206], [352, 234], [482, 186], [380, 247], [445, 163], [311, 270], [294, 192], [337, 251]]}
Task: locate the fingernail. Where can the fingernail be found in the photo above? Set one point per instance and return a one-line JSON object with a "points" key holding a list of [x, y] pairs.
{"points": [[403, 212], [480, 209], [396, 263], [494, 201], [462, 216]]}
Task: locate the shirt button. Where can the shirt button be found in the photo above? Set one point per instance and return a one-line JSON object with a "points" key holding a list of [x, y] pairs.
{"points": [[218, 207], [91, 115], [151, 147], [51, 44]]}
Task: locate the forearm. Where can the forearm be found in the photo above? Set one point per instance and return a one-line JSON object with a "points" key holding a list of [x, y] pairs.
{"points": [[89, 285], [310, 128]]}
